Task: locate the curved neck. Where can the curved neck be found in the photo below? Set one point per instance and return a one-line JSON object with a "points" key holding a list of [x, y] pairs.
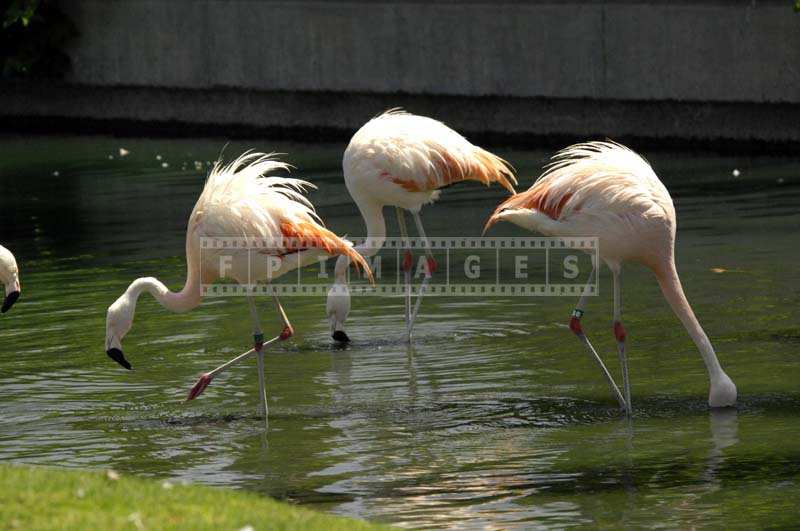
{"points": [[376, 236], [183, 301], [673, 291]]}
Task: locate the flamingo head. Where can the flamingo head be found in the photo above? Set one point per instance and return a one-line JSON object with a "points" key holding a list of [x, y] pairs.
{"points": [[9, 276], [12, 293], [723, 391], [517, 216], [119, 320], [338, 308]]}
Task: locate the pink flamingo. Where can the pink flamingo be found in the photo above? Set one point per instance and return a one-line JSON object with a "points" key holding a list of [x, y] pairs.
{"points": [[402, 160], [604, 189], [238, 200], [9, 276]]}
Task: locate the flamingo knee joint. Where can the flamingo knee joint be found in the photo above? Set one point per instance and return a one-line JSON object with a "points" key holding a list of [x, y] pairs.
{"points": [[619, 332], [408, 260], [287, 332]]}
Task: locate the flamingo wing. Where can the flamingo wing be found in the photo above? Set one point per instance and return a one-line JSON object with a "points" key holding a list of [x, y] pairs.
{"points": [[593, 178], [421, 154], [242, 200]]}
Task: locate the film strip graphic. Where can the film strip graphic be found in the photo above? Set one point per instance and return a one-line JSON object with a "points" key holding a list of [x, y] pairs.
{"points": [[466, 266]]}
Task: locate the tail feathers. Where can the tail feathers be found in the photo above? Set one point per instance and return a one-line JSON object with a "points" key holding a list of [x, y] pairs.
{"points": [[482, 166], [492, 168], [305, 235]]}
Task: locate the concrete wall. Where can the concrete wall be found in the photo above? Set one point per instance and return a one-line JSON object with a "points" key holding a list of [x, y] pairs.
{"points": [[705, 69], [700, 51]]}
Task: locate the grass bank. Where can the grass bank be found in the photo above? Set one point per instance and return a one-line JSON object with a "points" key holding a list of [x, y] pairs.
{"points": [[52, 498]]}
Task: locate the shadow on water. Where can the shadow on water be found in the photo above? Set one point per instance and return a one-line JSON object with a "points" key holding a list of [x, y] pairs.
{"points": [[495, 417]]}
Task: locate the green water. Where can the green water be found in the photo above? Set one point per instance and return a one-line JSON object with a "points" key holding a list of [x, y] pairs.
{"points": [[495, 418]]}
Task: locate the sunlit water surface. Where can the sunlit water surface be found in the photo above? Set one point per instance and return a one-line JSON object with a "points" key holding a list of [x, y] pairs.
{"points": [[496, 417]]}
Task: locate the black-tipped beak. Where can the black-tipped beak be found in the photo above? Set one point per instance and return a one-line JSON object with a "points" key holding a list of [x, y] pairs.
{"points": [[116, 355], [11, 298], [341, 337]]}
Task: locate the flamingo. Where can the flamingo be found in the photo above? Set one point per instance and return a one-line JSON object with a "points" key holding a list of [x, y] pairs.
{"points": [[604, 189], [9, 276], [403, 160], [239, 200]]}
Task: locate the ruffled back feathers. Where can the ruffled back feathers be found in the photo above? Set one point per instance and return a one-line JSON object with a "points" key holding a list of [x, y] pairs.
{"points": [[241, 199]]}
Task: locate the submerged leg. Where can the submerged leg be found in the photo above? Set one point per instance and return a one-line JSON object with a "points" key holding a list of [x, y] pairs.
{"points": [[408, 263], [620, 334], [258, 346], [575, 326], [428, 274]]}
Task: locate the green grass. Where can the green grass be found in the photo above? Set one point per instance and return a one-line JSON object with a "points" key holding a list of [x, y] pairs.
{"points": [[50, 498]]}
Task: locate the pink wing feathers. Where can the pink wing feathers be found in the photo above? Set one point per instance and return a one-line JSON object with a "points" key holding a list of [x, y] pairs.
{"points": [[241, 199], [597, 177], [422, 155]]}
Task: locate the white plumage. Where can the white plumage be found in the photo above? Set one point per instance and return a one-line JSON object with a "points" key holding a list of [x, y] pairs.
{"points": [[243, 199], [604, 176], [9, 276], [600, 189], [401, 159]]}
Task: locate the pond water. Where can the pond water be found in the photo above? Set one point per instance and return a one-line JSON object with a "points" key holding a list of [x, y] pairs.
{"points": [[495, 418]]}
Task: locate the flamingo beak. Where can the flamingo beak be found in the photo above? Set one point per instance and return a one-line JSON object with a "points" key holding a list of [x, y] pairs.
{"points": [[491, 222], [340, 336], [116, 355], [11, 298]]}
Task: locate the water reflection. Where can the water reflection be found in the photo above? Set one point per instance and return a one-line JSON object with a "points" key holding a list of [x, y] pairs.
{"points": [[724, 424]]}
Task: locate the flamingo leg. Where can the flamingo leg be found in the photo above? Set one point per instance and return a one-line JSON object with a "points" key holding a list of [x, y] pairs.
{"points": [[258, 349], [408, 263], [258, 341], [288, 329], [205, 379], [620, 333], [575, 326], [428, 274]]}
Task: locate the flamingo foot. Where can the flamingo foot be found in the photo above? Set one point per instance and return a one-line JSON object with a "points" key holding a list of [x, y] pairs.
{"points": [[200, 386], [287, 332]]}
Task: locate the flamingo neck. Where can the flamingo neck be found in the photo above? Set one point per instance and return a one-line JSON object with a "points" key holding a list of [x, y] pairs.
{"points": [[182, 301], [376, 236], [673, 291], [187, 298]]}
